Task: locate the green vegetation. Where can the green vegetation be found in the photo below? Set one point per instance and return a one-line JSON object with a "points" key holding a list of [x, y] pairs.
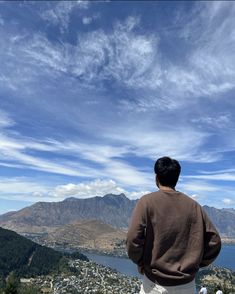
{"points": [[13, 286], [76, 255], [20, 257], [215, 278], [25, 257]]}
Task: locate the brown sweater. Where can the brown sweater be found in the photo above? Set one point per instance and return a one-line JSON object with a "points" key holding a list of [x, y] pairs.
{"points": [[171, 237]]}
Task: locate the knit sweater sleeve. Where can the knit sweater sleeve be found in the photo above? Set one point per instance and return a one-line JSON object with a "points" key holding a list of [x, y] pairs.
{"points": [[135, 241], [212, 242]]}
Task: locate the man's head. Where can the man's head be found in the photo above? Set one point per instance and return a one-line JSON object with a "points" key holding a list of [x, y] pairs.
{"points": [[167, 171]]}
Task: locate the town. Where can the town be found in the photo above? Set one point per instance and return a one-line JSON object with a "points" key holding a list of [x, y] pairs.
{"points": [[87, 277]]}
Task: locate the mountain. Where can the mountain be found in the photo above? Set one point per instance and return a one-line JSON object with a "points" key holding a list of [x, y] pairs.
{"points": [[111, 209], [114, 210], [25, 257], [93, 234], [223, 219]]}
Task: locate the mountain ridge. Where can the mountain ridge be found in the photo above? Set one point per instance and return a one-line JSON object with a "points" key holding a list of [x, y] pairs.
{"points": [[114, 210]]}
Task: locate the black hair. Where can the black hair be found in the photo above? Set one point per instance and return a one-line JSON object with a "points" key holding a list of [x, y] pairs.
{"points": [[167, 171]]}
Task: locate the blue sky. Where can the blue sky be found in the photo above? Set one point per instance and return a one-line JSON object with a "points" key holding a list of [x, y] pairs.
{"points": [[92, 93]]}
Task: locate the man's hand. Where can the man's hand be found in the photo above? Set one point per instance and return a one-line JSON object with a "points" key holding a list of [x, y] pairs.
{"points": [[141, 269]]}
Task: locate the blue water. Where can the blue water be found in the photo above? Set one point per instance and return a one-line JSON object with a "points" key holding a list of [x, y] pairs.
{"points": [[123, 265], [226, 259]]}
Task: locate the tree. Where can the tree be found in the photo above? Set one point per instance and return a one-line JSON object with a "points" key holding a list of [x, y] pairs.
{"points": [[12, 284], [28, 290]]}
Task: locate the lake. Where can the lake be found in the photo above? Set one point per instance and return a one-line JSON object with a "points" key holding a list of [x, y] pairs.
{"points": [[125, 266]]}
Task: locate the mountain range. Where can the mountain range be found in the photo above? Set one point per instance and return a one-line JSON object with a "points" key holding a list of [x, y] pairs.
{"points": [[113, 210]]}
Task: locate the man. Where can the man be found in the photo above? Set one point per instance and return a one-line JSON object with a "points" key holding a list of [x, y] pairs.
{"points": [[170, 237], [203, 290], [219, 292]]}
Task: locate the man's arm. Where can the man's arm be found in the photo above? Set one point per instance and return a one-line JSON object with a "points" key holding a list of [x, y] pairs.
{"points": [[136, 234], [212, 242]]}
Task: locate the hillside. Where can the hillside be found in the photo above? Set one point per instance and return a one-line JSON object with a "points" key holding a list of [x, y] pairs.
{"points": [[224, 220], [94, 235], [25, 257], [114, 210], [215, 278]]}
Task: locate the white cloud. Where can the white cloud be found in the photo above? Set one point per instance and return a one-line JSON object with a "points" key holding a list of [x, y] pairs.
{"points": [[25, 161], [17, 152], [182, 142], [28, 189], [214, 177], [206, 191], [137, 195], [5, 120], [110, 159], [86, 20], [133, 60], [195, 187], [21, 188], [128, 175], [122, 55], [213, 56], [87, 189], [93, 188], [219, 121], [40, 50], [228, 201], [60, 12], [97, 187]]}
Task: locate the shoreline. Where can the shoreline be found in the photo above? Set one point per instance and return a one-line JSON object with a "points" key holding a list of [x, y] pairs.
{"points": [[119, 253]]}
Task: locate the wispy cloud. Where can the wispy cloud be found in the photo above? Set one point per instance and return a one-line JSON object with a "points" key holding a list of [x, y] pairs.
{"points": [[5, 120], [132, 59], [88, 96], [122, 55], [59, 13], [215, 177], [18, 152], [198, 187], [219, 121], [213, 31], [88, 19], [183, 143], [21, 188], [207, 192]]}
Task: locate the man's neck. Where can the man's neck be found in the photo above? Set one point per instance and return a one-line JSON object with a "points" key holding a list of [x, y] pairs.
{"points": [[165, 188]]}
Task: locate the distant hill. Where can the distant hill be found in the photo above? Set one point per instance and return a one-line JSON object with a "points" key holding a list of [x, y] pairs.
{"points": [[114, 210], [93, 234], [25, 257]]}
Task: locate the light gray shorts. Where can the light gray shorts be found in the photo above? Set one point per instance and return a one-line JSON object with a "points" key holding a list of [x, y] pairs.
{"points": [[149, 287]]}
